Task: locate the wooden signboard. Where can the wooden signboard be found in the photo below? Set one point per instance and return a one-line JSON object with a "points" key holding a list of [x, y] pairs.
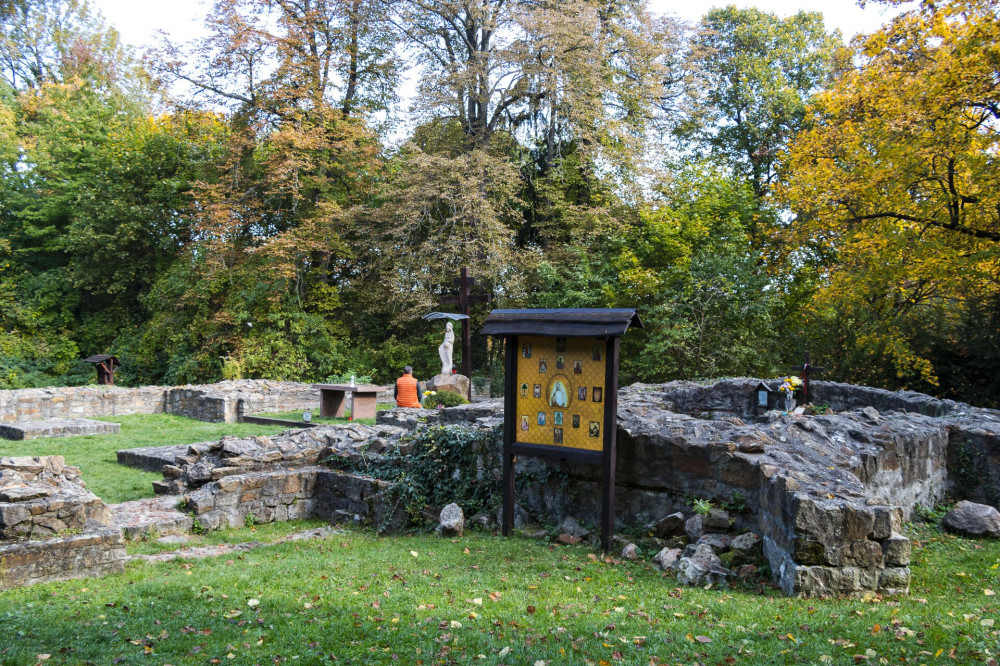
{"points": [[561, 392]]}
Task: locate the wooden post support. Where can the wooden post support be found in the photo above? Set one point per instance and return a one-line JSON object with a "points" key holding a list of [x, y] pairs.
{"points": [[509, 433], [610, 443]]}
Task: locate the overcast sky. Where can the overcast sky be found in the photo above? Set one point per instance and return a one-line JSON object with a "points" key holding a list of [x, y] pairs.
{"points": [[182, 19]]}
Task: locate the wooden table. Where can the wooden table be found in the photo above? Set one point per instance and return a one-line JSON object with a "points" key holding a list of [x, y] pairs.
{"points": [[333, 396]]}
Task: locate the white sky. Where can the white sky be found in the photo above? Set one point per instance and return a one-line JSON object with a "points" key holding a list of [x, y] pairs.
{"points": [[138, 22]]}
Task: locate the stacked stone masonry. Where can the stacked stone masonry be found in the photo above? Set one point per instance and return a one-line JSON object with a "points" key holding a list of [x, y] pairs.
{"points": [[57, 428], [222, 402], [51, 526], [42, 497], [828, 493], [96, 553]]}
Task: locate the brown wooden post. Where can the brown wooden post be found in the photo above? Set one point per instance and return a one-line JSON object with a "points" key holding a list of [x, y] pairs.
{"points": [[610, 443], [509, 431], [806, 369]]}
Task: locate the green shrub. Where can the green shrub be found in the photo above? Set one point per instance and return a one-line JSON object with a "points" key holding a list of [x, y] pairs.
{"points": [[444, 399]]}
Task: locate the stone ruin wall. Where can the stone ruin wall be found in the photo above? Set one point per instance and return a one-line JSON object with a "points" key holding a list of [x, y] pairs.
{"points": [[222, 402], [828, 494], [51, 526]]}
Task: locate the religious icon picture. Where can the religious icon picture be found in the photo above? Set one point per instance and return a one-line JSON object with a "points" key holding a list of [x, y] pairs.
{"points": [[595, 429], [560, 344], [557, 418], [541, 418], [596, 392], [596, 353], [581, 393], [578, 367], [537, 393], [524, 423], [543, 365], [524, 390], [560, 362], [576, 420], [526, 350], [557, 437], [558, 394]]}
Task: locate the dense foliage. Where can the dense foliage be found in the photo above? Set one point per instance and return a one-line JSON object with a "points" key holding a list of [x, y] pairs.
{"points": [[752, 184]]}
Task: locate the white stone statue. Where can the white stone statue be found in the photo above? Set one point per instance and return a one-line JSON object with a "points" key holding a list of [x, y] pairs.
{"points": [[445, 350]]}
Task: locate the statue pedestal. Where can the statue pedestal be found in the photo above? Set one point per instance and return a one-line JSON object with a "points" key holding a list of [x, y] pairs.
{"points": [[452, 383]]}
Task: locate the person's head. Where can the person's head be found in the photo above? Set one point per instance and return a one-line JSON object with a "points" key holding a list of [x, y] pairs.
{"points": [[449, 326], [408, 370]]}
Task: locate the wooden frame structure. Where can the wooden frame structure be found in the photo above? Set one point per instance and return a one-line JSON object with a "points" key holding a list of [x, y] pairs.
{"points": [[604, 329], [106, 366]]}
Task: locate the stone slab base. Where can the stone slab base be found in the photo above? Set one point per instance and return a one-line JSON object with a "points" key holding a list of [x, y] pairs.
{"points": [[77, 556], [154, 515], [57, 428], [152, 458]]}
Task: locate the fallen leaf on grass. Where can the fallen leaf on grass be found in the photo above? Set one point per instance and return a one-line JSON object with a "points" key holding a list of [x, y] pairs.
{"points": [[703, 639], [989, 592]]}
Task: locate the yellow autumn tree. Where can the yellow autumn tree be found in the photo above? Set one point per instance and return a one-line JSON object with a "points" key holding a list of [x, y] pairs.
{"points": [[896, 188]]}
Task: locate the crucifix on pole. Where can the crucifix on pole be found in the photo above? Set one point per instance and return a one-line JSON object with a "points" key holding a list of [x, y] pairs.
{"points": [[464, 300], [806, 368]]}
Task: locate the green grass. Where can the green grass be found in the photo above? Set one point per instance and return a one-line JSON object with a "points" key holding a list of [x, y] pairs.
{"points": [[363, 599], [95, 454], [297, 416], [265, 533]]}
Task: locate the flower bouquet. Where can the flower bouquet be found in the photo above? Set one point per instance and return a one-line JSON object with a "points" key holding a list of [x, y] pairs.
{"points": [[789, 385]]}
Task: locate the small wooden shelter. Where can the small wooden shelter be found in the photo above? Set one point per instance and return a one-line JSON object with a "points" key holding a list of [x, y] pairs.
{"points": [[106, 366]]}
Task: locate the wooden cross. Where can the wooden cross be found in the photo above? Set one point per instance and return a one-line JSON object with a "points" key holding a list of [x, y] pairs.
{"points": [[464, 300], [805, 369]]}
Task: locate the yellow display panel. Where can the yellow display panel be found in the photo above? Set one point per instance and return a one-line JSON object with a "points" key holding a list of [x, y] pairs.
{"points": [[560, 392]]}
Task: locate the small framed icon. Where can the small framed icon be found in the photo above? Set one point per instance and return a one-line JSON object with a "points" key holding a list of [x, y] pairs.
{"points": [[537, 391], [576, 420], [581, 393], [543, 365], [524, 423], [577, 367], [560, 362], [595, 429], [596, 392], [560, 344], [596, 353], [557, 436], [557, 418], [526, 350], [524, 390], [541, 418]]}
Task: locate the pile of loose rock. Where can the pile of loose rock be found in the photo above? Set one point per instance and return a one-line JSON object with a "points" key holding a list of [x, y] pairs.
{"points": [[211, 461], [702, 549]]}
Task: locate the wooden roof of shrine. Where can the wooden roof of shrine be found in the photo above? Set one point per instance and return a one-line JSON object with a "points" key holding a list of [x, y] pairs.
{"points": [[563, 322]]}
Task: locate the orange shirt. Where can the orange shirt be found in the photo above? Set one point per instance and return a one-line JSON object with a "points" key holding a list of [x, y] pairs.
{"points": [[406, 392]]}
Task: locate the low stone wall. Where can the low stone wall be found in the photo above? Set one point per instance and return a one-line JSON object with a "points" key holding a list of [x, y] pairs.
{"points": [[95, 553], [293, 494], [222, 402], [57, 428], [42, 497]]}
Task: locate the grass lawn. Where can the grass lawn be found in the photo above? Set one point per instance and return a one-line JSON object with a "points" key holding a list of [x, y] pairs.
{"points": [[362, 599], [316, 418], [95, 454]]}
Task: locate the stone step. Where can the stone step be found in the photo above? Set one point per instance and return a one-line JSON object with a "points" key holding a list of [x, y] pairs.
{"points": [[57, 428], [152, 458], [153, 515]]}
